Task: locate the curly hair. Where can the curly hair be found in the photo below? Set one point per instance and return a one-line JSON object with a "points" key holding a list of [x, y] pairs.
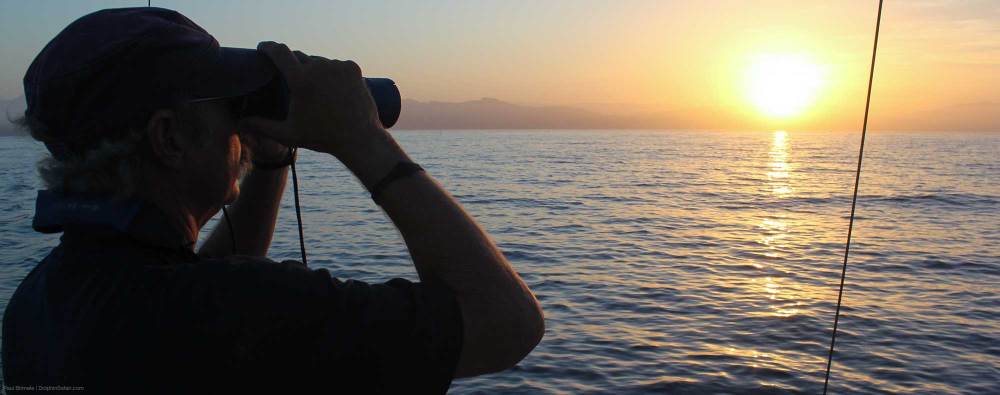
{"points": [[110, 166]]}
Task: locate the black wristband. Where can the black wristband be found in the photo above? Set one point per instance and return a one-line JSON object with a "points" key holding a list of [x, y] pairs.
{"points": [[289, 158], [401, 170]]}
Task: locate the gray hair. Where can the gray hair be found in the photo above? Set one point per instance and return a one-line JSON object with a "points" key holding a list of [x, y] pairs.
{"points": [[110, 167]]}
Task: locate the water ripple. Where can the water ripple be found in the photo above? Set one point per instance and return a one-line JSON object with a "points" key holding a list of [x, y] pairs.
{"points": [[685, 262]]}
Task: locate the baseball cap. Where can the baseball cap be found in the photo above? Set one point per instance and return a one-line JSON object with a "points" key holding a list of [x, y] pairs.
{"points": [[116, 66]]}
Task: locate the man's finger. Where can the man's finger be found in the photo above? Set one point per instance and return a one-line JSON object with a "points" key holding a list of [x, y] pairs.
{"points": [[283, 58], [267, 128]]}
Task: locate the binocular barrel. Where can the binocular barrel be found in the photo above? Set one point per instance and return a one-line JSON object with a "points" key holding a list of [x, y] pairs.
{"points": [[271, 100]]}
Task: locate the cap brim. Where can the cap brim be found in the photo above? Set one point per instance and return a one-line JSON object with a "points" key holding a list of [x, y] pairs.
{"points": [[235, 72]]}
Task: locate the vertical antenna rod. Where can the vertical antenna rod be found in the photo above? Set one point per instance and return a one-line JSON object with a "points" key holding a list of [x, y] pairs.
{"points": [[854, 201]]}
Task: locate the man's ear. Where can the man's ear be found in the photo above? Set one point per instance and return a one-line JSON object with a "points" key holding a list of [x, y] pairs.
{"points": [[164, 138]]}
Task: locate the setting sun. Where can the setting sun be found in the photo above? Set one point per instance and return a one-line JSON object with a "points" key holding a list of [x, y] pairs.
{"points": [[783, 85]]}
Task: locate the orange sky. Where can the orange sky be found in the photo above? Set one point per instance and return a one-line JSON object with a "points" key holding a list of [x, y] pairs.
{"points": [[681, 64]]}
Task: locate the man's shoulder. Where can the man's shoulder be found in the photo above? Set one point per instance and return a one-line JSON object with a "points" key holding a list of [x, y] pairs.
{"points": [[249, 263], [260, 274]]}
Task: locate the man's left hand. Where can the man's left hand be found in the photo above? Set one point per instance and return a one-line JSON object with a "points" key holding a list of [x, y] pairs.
{"points": [[264, 150]]}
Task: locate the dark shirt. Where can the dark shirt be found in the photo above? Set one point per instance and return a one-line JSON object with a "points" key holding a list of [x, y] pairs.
{"points": [[127, 307]]}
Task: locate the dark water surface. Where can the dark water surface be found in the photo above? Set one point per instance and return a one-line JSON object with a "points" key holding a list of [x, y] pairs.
{"points": [[684, 262]]}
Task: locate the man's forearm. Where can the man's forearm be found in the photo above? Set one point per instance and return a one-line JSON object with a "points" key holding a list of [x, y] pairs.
{"points": [[503, 320], [253, 215]]}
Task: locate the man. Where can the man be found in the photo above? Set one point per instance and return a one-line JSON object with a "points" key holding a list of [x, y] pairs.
{"points": [[136, 107]]}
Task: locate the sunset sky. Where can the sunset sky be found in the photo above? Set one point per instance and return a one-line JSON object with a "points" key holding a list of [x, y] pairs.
{"points": [[686, 64]]}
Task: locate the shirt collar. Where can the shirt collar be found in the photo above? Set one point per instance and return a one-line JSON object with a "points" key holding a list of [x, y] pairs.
{"points": [[55, 211]]}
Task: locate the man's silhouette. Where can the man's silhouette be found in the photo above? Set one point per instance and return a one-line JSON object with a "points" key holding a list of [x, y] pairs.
{"points": [[141, 110]]}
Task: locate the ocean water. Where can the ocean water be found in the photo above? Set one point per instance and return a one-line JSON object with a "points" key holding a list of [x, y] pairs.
{"points": [[684, 261]]}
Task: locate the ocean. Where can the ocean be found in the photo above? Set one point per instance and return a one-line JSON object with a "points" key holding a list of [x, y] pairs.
{"points": [[683, 261]]}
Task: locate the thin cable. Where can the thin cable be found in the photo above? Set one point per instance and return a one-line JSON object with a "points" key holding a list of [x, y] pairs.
{"points": [[854, 200], [298, 211], [232, 232]]}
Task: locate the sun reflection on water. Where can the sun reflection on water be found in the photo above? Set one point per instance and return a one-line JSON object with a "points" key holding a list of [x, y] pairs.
{"points": [[783, 297], [779, 168]]}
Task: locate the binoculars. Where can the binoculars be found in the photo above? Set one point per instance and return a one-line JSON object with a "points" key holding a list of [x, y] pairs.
{"points": [[271, 101]]}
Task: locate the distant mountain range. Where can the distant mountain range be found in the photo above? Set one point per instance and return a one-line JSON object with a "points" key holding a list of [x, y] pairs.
{"points": [[970, 117], [486, 113], [489, 113]]}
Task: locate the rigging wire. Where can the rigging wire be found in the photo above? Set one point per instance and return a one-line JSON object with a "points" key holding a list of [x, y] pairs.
{"points": [[854, 201]]}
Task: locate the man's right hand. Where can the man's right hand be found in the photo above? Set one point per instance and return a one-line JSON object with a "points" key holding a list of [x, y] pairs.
{"points": [[330, 110]]}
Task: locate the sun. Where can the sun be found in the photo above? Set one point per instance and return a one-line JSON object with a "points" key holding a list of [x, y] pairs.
{"points": [[783, 85]]}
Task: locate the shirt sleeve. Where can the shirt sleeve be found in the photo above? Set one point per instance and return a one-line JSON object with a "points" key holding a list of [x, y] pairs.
{"points": [[394, 337]]}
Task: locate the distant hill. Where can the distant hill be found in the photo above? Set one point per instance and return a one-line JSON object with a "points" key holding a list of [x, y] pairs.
{"points": [[489, 113], [11, 109], [974, 117], [486, 113]]}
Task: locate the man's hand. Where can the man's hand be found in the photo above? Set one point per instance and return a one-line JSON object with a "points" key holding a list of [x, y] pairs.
{"points": [[330, 108], [264, 149]]}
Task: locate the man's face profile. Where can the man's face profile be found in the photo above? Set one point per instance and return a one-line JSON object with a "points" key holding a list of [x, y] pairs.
{"points": [[198, 144]]}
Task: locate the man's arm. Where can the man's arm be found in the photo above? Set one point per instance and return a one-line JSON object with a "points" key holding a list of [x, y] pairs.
{"points": [[253, 216], [331, 111], [502, 319]]}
